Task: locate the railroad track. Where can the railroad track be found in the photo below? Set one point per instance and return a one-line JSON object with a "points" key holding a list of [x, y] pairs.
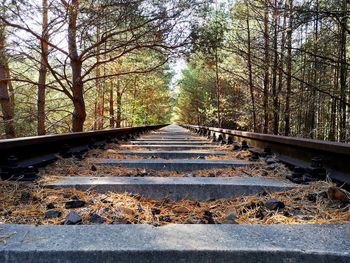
{"points": [[318, 157], [169, 195], [20, 158]]}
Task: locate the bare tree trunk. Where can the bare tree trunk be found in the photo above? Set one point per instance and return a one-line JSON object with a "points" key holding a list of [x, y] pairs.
{"points": [[311, 122], [79, 113], [218, 87], [5, 98], [333, 110], [277, 103], [95, 114], [267, 67], [343, 70], [250, 71], [119, 106], [289, 67], [333, 116], [5, 101], [111, 107], [302, 98], [99, 95], [10, 88], [134, 93], [274, 70], [43, 71]]}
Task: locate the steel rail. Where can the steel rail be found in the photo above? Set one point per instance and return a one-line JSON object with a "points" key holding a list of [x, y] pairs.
{"points": [[23, 155], [292, 150]]}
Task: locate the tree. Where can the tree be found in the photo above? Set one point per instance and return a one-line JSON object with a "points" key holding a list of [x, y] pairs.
{"points": [[288, 58], [267, 66], [289, 67], [208, 39], [43, 69], [132, 28], [343, 67], [5, 97], [250, 71]]}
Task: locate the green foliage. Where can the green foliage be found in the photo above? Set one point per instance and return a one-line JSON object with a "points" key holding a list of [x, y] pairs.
{"points": [[209, 36], [197, 96]]}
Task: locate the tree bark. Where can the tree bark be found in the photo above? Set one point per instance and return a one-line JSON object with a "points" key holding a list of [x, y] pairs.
{"points": [[99, 95], [79, 113], [218, 86], [111, 107], [41, 130], [311, 129], [277, 103], [343, 70], [289, 67], [267, 67], [250, 71], [333, 110], [5, 98], [274, 70], [119, 106]]}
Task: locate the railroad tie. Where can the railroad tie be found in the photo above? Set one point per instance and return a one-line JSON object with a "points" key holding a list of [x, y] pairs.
{"points": [[169, 164], [174, 160]]}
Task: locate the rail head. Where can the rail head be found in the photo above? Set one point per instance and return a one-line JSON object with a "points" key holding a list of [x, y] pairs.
{"points": [[20, 153], [328, 146], [6, 144], [335, 156]]}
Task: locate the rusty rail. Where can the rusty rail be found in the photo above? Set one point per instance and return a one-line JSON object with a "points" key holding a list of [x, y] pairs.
{"points": [[20, 157], [291, 150]]}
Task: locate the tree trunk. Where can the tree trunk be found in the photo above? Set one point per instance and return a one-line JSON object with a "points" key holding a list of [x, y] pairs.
{"points": [[79, 113], [267, 67], [277, 103], [5, 97], [218, 87], [119, 107], [99, 96], [134, 93], [111, 107], [312, 105], [43, 70], [302, 98], [289, 67], [95, 115], [250, 71], [274, 70], [343, 70], [333, 111]]}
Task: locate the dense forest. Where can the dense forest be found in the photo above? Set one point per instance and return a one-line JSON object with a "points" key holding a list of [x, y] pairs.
{"points": [[74, 65], [272, 66]]}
